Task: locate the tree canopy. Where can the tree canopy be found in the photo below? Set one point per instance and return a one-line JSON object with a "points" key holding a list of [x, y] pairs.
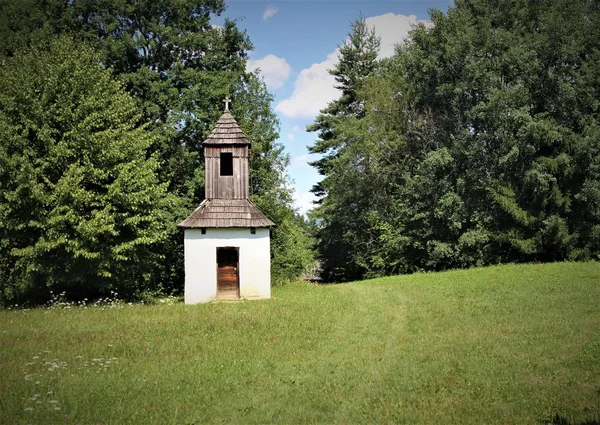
{"points": [[357, 60], [174, 68], [81, 204], [479, 143]]}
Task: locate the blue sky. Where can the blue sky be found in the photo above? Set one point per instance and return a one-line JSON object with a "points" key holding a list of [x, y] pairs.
{"points": [[295, 42]]}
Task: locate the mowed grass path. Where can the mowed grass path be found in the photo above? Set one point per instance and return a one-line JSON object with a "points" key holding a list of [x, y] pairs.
{"points": [[508, 344]]}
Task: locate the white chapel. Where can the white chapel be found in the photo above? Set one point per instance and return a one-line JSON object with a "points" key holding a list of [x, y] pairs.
{"points": [[227, 238]]}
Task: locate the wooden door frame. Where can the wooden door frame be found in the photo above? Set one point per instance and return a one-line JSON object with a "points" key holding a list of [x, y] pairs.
{"points": [[237, 267]]}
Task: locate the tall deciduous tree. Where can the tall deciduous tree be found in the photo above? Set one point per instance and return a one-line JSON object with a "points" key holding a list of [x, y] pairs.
{"points": [[168, 55], [81, 206], [514, 94], [178, 67], [479, 144]]}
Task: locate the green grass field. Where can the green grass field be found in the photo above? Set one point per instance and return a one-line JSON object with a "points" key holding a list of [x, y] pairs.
{"points": [[509, 344]]}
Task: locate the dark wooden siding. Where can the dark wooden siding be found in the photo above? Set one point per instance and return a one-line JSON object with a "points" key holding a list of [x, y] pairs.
{"points": [[226, 187]]}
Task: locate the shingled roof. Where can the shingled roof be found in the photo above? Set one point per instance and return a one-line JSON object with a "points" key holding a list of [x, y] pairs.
{"points": [[226, 132], [226, 213]]}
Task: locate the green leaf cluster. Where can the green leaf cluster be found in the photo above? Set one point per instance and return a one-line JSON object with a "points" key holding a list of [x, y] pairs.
{"points": [[81, 204], [478, 143], [103, 154]]}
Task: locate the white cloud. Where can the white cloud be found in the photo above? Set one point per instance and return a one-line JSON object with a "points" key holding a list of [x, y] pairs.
{"points": [[291, 136], [304, 201], [301, 161], [269, 12], [275, 70], [392, 29], [314, 87]]}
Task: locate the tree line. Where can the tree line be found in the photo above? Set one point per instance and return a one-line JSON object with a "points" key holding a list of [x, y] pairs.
{"points": [[477, 143], [103, 106]]}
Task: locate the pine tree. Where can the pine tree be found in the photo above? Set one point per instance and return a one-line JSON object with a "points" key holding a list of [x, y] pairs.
{"points": [[357, 59]]}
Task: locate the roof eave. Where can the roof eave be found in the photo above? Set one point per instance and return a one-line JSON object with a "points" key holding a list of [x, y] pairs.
{"points": [[186, 227], [207, 142]]}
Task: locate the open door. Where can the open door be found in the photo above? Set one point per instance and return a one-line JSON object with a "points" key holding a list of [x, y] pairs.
{"points": [[228, 282]]}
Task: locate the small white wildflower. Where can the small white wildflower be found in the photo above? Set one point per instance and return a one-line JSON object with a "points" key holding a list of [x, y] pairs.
{"points": [[28, 409], [57, 408], [36, 357], [49, 392], [53, 401], [37, 382]]}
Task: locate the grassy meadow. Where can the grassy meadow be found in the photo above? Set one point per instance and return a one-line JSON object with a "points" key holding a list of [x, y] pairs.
{"points": [[496, 345]]}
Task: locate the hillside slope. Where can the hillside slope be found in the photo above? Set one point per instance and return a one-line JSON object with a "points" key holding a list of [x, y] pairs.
{"points": [[504, 344]]}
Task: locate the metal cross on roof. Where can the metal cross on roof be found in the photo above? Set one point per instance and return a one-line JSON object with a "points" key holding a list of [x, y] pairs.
{"points": [[227, 101]]}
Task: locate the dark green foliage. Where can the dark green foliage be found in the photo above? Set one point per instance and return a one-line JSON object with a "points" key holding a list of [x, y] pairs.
{"points": [[81, 207], [482, 141], [170, 58], [357, 60], [177, 68], [339, 217]]}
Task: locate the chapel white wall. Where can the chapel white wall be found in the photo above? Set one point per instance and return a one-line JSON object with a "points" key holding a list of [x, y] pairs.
{"points": [[200, 253]]}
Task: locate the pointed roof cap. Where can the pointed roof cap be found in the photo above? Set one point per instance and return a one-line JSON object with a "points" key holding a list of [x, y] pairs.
{"points": [[226, 132]]}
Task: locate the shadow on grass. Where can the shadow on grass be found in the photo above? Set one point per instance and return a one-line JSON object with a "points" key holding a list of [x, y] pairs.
{"points": [[560, 420]]}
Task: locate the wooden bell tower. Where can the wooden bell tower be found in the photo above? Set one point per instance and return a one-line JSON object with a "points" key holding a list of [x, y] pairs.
{"points": [[226, 160], [227, 238]]}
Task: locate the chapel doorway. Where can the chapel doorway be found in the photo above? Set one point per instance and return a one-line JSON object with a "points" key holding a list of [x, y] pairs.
{"points": [[228, 282]]}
